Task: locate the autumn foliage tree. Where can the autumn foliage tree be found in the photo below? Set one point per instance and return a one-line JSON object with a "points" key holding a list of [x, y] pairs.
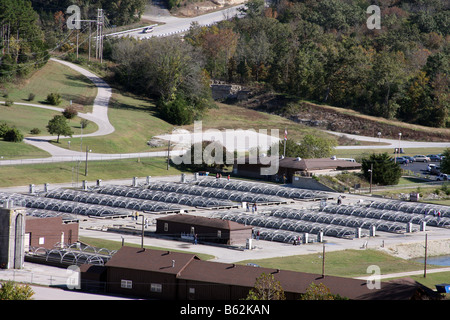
{"points": [[266, 288]]}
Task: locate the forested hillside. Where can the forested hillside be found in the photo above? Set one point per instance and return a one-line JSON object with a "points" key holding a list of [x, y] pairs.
{"points": [[323, 51], [31, 30]]}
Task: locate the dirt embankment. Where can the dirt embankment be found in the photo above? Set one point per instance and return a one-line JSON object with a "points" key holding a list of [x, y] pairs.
{"points": [[342, 120]]}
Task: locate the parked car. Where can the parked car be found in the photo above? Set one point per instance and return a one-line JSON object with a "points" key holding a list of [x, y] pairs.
{"points": [[442, 177], [410, 159], [433, 169], [434, 157], [401, 160], [441, 156], [421, 158]]}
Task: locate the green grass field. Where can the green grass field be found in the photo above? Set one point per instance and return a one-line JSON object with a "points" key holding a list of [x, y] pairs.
{"points": [[54, 78], [66, 172]]}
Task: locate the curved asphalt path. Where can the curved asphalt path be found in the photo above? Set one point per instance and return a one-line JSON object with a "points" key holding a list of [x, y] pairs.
{"points": [[99, 115]]}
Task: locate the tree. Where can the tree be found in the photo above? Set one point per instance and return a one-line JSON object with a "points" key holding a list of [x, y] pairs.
{"points": [[384, 170], [205, 155], [59, 125], [176, 112], [266, 288], [445, 163], [319, 292], [316, 147], [11, 291]]}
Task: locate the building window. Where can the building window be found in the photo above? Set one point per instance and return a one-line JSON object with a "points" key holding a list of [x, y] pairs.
{"points": [[219, 234], [127, 284], [156, 287], [191, 290], [166, 227]]}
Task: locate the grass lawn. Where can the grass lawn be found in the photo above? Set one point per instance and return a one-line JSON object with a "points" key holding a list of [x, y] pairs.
{"points": [[346, 263], [21, 150], [23, 175], [116, 245], [55, 77], [135, 121]]}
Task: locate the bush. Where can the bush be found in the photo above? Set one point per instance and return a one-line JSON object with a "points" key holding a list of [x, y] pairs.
{"points": [[31, 97], [70, 112], [54, 99], [35, 131], [3, 129], [13, 135], [9, 103], [176, 112], [84, 123]]}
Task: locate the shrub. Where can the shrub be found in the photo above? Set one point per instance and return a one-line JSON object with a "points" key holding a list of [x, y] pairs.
{"points": [[3, 129], [176, 112], [70, 112], [54, 99], [84, 123], [9, 103], [13, 135], [35, 131], [31, 97]]}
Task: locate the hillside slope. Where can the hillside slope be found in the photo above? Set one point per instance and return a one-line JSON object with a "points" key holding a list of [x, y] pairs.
{"points": [[342, 120]]}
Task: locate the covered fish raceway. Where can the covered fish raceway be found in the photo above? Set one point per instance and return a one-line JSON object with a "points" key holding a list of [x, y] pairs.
{"points": [[419, 208], [264, 188], [388, 215], [300, 226], [165, 196], [111, 201], [340, 220], [217, 193], [78, 208]]}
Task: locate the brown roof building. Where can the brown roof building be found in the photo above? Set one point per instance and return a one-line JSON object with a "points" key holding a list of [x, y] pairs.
{"points": [[49, 232], [181, 276], [206, 229], [288, 167]]}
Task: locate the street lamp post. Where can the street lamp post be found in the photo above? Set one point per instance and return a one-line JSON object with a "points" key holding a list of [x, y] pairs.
{"points": [[86, 164], [371, 171]]}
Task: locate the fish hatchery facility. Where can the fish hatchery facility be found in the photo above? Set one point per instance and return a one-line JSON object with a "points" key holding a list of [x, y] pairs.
{"points": [[209, 210]]}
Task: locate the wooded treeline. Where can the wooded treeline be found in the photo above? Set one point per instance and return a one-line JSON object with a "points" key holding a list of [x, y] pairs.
{"points": [[323, 51]]}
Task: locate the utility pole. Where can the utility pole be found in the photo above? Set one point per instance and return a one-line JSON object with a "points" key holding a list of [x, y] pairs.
{"points": [[425, 261], [99, 37], [168, 155], [371, 172], [323, 261], [86, 164], [142, 236]]}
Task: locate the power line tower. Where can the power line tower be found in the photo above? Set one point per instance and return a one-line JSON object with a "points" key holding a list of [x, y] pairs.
{"points": [[99, 35]]}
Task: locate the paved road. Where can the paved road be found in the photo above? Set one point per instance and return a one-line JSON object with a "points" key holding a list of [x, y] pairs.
{"points": [[388, 143], [174, 25]]}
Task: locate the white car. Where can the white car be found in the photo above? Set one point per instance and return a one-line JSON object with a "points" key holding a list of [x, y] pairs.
{"points": [[421, 158], [442, 177]]}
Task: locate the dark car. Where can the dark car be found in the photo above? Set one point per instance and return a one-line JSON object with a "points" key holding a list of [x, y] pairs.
{"points": [[401, 160], [434, 157], [410, 159]]}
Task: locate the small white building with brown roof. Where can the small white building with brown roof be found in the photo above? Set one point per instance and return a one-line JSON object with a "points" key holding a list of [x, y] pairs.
{"points": [[206, 229]]}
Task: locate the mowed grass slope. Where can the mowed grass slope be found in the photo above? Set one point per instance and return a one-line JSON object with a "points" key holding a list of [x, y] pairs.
{"points": [[54, 77]]}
